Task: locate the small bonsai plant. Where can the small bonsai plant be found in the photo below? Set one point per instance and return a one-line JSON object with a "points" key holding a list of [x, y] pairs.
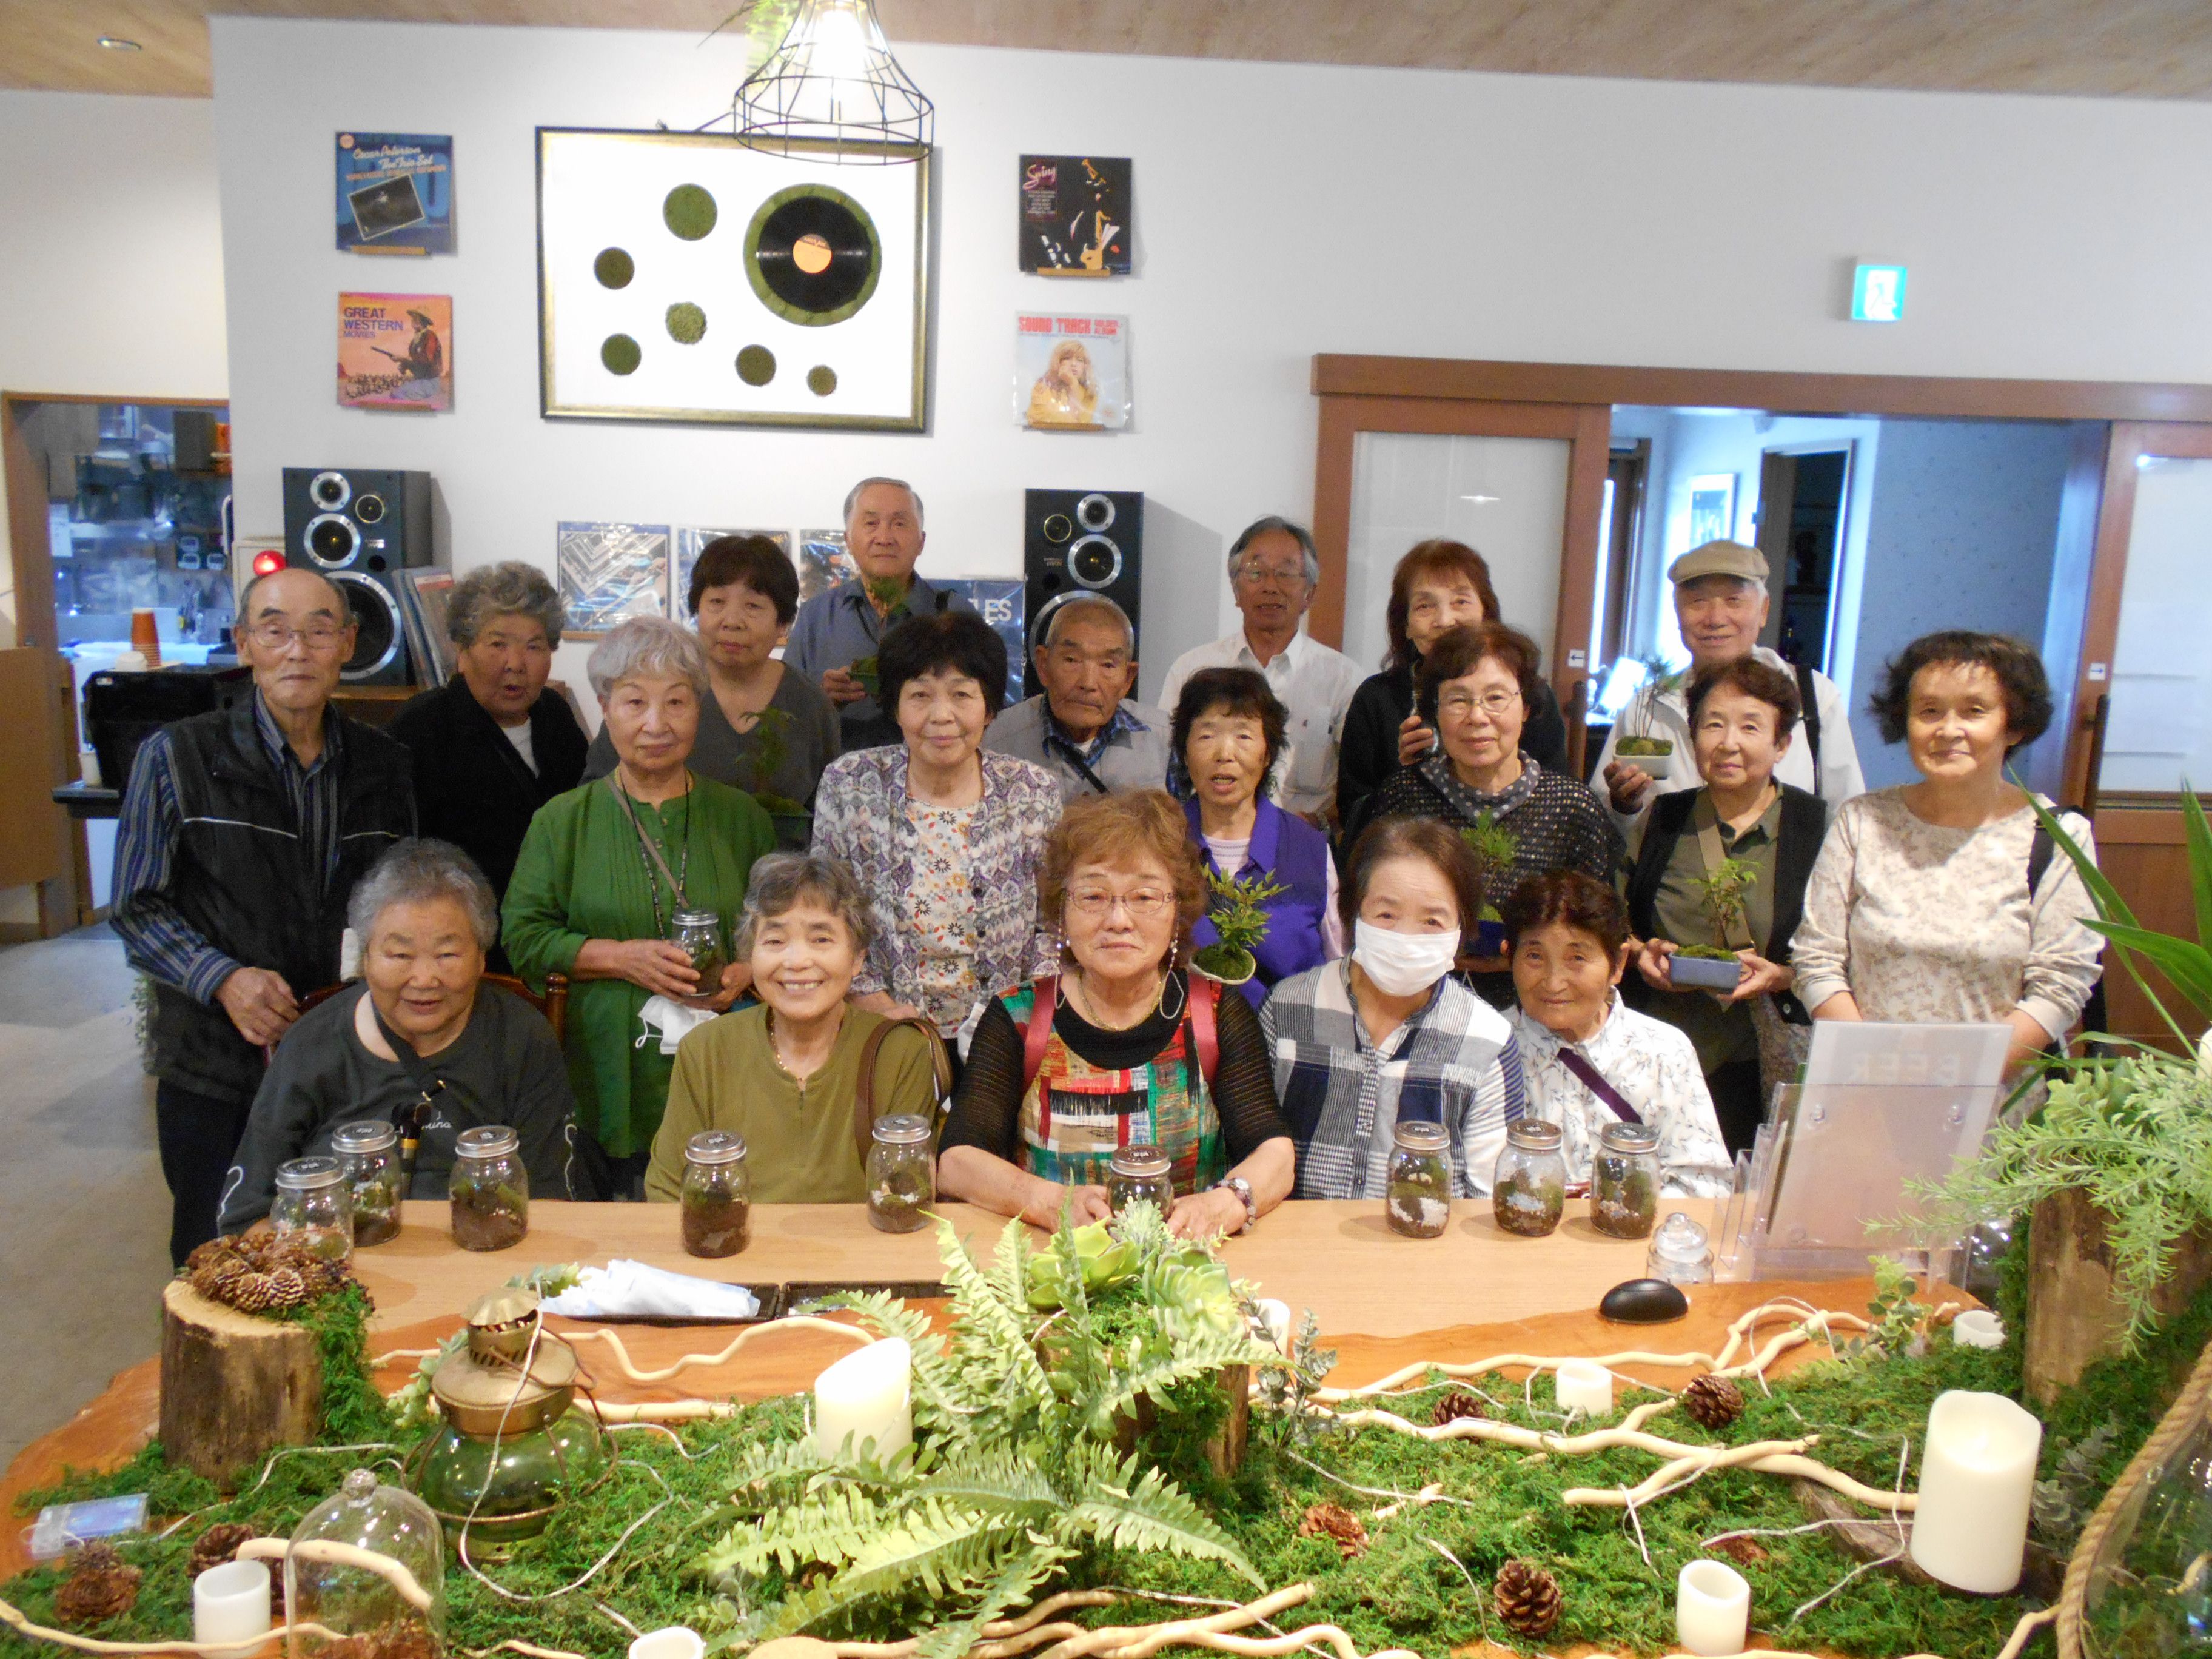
{"points": [[1638, 720], [1720, 896], [1494, 847], [1238, 912]]}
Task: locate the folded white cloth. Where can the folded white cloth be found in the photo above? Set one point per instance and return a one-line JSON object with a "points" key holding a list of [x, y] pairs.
{"points": [[673, 1020], [631, 1287]]}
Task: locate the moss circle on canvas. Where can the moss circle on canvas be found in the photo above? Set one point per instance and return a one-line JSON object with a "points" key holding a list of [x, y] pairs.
{"points": [[689, 211], [614, 268], [757, 365], [620, 354], [821, 379], [687, 324]]}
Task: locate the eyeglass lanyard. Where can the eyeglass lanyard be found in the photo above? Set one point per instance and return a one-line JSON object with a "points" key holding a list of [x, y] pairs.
{"points": [[648, 846]]}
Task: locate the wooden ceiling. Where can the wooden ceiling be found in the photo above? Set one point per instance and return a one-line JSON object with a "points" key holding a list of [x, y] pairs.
{"points": [[2112, 48]]}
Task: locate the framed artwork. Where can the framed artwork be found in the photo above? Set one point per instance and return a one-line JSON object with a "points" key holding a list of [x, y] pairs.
{"points": [[823, 562], [1000, 601], [688, 276], [395, 351], [690, 538], [608, 573], [1075, 216], [1712, 508], [395, 192], [1071, 374]]}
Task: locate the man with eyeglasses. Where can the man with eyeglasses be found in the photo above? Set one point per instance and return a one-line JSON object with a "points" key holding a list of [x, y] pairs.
{"points": [[1272, 573], [242, 834], [1082, 726]]}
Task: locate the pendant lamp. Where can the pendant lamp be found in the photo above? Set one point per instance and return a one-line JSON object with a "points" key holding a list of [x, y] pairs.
{"points": [[834, 79]]}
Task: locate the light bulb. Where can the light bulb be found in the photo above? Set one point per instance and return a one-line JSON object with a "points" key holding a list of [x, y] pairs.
{"points": [[839, 50]]}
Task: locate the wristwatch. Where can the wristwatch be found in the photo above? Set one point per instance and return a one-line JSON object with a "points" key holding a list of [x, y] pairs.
{"points": [[1242, 1189]]}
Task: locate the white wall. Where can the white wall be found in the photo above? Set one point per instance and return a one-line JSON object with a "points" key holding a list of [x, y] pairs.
{"points": [[1281, 210]]}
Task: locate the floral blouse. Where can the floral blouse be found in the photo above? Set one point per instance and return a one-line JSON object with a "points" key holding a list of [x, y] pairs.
{"points": [[862, 817]]}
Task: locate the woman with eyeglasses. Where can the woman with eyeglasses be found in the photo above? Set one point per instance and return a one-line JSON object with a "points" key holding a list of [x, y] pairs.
{"points": [[1477, 683], [1123, 1047]]}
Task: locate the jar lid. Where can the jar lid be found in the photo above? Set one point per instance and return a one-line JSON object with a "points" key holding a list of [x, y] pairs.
{"points": [[901, 1129], [1533, 1134], [305, 1174], [695, 919], [1678, 1239], [715, 1147], [373, 1136], [1629, 1138], [492, 1141], [1138, 1163], [1417, 1135]]}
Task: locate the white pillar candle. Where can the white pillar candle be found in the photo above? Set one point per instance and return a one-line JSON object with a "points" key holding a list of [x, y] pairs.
{"points": [[1584, 1385], [1712, 1608], [230, 1603], [1977, 1327], [1977, 1476], [1276, 1316], [673, 1641], [864, 1397]]}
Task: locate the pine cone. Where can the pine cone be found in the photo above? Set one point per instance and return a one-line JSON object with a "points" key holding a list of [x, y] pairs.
{"points": [[1455, 1405], [1714, 1402], [1338, 1524], [207, 1254], [1526, 1598], [1742, 1551], [99, 1587], [219, 1544]]}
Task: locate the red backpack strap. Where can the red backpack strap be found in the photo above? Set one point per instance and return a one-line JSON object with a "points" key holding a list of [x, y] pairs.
{"points": [[1204, 991], [1044, 1003]]}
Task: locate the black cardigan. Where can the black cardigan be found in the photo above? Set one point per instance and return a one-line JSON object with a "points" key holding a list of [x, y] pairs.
{"points": [[1367, 757]]}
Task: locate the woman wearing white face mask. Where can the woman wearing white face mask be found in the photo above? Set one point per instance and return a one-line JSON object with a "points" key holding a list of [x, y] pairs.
{"points": [[1388, 1031]]}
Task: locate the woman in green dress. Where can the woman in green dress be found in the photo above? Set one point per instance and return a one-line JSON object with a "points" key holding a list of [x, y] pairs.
{"points": [[602, 874]]}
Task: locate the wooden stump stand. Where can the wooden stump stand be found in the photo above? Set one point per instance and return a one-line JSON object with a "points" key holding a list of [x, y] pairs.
{"points": [[2073, 1319], [234, 1387]]}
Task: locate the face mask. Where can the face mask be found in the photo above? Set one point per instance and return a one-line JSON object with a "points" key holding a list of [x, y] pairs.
{"points": [[1401, 964]]}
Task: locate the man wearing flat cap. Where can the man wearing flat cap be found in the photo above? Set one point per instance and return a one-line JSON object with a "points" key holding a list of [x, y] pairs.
{"points": [[1720, 602]]}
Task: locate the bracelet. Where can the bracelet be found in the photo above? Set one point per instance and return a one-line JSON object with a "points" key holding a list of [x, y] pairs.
{"points": [[1242, 1189]]}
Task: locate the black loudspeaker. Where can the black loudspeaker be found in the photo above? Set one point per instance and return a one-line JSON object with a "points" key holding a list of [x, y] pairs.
{"points": [[360, 526], [1080, 541]]}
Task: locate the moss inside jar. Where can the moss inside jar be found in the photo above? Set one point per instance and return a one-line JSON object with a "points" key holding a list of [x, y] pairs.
{"points": [[375, 1213], [490, 1217], [715, 1223], [698, 934], [1528, 1204], [898, 1202], [1624, 1202], [1418, 1202]]}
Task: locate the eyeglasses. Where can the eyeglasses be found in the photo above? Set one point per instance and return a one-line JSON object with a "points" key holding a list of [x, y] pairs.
{"points": [[1285, 575], [1146, 905], [278, 637], [1461, 706]]}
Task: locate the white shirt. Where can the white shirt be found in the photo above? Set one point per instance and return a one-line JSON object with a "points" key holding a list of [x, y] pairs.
{"points": [[1840, 778], [1315, 683], [524, 745]]}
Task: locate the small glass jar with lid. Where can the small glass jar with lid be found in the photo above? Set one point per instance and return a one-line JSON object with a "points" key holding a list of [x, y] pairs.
{"points": [[716, 1197], [1420, 1196], [490, 1189], [1529, 1193], [699, 934], [1625, 1180], [312, 1206], [369, 1154], [335, 1605], [1139, 1174], [1680, 1253], [902, 1186]]}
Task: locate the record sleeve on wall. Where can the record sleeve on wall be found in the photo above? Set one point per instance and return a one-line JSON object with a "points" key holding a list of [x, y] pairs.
{"points": [[395, 192], [688, 276], [689, 540], [824, 562], [1000, 602], [1075, 216], [1071, 374], [608, 573], [395, 351]]}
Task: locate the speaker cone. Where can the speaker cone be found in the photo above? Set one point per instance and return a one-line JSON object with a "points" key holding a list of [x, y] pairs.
{"points": [[1095, 512], [1058, 528], [370, 509], [331, 540], [330, 490], [377, 639], [1095, 562]]}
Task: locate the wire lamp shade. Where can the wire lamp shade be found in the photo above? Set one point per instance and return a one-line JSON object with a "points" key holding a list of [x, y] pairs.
{"points": [[834, 79]]}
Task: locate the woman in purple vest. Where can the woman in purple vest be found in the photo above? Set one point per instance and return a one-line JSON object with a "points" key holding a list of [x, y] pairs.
{"points": [[1228, 734]]}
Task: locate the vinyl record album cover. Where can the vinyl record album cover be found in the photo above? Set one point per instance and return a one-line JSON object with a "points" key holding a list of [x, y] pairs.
{"points": [[689, 540], [1000, 602], [608, 573], [1075, 216], [824, 562], [395, 192], [395, 351], [1071, 374]]}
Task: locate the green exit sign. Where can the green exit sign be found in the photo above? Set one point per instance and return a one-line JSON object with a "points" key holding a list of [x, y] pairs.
{"points": [[1878, 294]]}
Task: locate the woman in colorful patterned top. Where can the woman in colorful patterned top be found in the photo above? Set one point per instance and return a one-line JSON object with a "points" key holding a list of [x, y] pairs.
{"points": [[1120, 1048], [944, 838], [1589, 1059]]}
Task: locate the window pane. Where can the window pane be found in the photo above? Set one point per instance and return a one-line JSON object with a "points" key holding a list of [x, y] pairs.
{"points": [[2158, 733]]}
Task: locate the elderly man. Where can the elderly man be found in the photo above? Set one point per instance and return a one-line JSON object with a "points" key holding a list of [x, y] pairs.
{"points": [[1272, 572], [1083, 728], [243, 832], [837, 629], [1721, 603]]}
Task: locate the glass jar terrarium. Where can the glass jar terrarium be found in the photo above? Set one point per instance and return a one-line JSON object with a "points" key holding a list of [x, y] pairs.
{"points": [[1680, 1253], [512, 1450], [698, 933], [313, 1207], [1529, 1193], [2148, 1592], [1419, 1201], [716, 1198], [368, 1155], [336, 1604], [490, 1189], [1625, 1180], [1139, 1174], [901, 1185]]}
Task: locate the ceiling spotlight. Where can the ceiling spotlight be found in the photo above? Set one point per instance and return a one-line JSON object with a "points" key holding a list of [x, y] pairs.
{"points": [[117, 43]]}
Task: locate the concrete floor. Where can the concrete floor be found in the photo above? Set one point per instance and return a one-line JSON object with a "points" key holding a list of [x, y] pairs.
{"points": [[84, 1215]]}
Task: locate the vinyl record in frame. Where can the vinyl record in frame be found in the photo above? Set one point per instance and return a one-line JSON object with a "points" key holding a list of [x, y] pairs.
{"points": [[812, 254]]}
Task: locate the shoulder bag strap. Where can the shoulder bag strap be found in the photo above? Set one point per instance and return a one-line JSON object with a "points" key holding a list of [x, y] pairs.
{"points": [[864, 1079], [428, 1086], [1709, 845], [1204, 1032], [674, 888], [1593, 1080], [1045, 1003], [1809, 716]]}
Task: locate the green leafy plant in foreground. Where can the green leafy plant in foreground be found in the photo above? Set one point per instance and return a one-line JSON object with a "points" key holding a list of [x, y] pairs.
{"points": [[1495, 848], [1237, 909], [1025, 1417], [1721, 893]]}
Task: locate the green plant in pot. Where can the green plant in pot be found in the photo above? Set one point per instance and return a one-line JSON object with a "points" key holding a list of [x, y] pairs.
{"points": [[1237, 909], [1636, 740], [1494, 847], [2115, 1169], [1721, 893]]}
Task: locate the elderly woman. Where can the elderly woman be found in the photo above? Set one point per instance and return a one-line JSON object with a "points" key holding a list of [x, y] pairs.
{"points": [[764, 730], [1120, 1048], [601, 878], [1937, 900], [1746, 831], [1436, 587], [1228, 732], [943, 836], [1591, 1059], [785, 1074], [1391, 1035], [425, 916], [490, 747], [1478, 682]]}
